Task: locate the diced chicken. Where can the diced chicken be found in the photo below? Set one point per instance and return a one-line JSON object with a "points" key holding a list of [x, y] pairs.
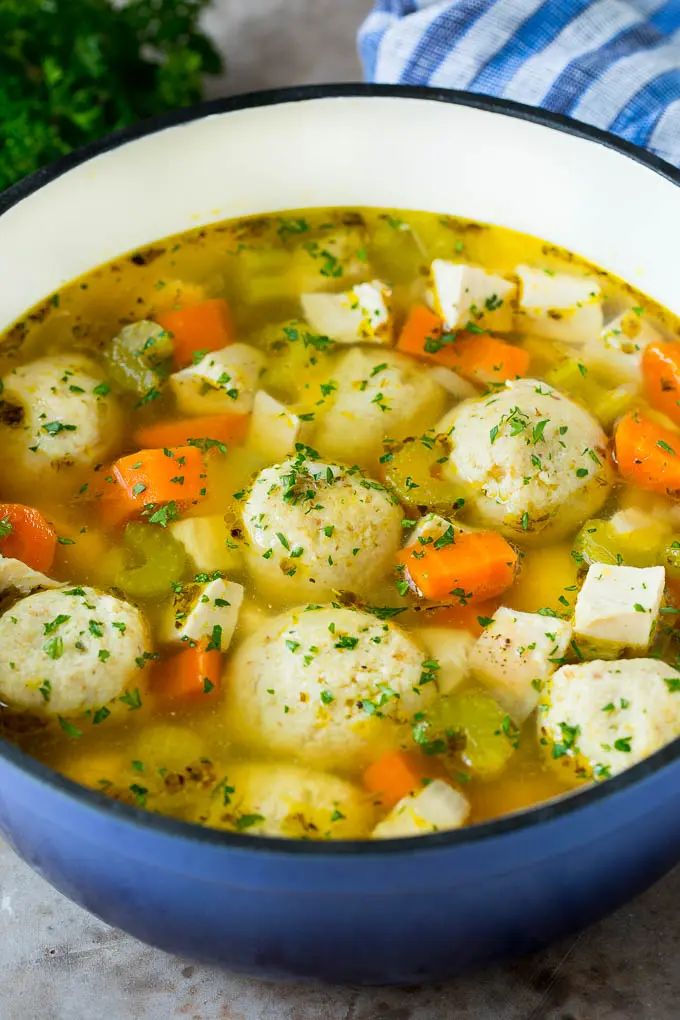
{"points": [[452, 382], [204, 611], [618, 349], [516, 654], [359, 315], [428, 529], [450, 649], [618, 607], [464, 294], [559, 306], [16, 576], [222, 381], [436, 808], [207, 540], [274, 429]]}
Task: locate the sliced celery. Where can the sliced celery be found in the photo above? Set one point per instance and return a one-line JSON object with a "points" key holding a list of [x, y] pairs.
{"points": [[139, 357], [157, 560], [412, 471], [489, 736]]}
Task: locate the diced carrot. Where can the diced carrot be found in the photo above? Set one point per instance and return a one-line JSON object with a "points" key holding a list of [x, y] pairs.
{"points": [[421, 331], [206, 326], [647, 454], [478, 357], [225, 428], [478, 565], [661, 373], [148, 478], [397, 774], [25, 535], [461, 617], [186, 674]]}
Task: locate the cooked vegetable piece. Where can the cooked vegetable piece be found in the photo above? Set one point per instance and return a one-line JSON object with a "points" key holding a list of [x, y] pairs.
{"points": [[413, 471], [648, 454], [25, 535], [583, 382], [661, 375], [203, 432], [197, 329], [473, 567], [630, 537], [175, 475], [476, 356], [471, 617], [490, 741], [208, 541], [139, 358], [157, 561], [398, 773], [194, 672]]}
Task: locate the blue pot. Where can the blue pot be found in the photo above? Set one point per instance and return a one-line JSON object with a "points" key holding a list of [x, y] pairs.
{"points": [[397, 911]]}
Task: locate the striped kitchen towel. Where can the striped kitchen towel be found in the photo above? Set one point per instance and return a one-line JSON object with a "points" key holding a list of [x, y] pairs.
{"points": [[612, 63]]}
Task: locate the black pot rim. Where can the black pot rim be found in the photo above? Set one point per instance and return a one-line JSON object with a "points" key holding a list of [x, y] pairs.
{"points": [[528, 819]]}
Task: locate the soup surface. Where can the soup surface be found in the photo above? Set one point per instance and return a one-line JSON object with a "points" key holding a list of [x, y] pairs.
{"points": [[341, 523]]}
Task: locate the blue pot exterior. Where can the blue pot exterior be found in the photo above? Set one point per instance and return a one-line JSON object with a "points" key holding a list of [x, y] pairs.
{"points": [[362, 913]]}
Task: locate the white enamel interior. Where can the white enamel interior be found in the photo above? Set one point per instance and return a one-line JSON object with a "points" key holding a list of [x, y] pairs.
{"points": [[382, 151]]}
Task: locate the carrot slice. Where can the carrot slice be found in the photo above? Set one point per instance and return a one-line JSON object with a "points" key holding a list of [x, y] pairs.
{"points": [[476, 566], [479, 357], [25, 535], [661, 374], [224, 428], [172, 475], [206, 326], [186, 674], [397, 774], [648, 454]]}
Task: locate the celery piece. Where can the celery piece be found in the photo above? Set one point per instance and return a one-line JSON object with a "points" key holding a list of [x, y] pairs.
{"points": [[575, 378], [139, 357], [490, 738], [595, 543], [156, 560], [601, 542], [411, 470]]}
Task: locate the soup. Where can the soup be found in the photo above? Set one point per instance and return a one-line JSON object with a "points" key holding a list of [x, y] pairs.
{"points": [[341, 524]]}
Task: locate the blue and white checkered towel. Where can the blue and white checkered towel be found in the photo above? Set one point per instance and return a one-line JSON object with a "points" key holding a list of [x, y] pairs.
{"points": [[612, 63]]}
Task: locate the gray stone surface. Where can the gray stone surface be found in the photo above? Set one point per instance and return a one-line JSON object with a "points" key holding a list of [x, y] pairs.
{"points": [[59, 963]]}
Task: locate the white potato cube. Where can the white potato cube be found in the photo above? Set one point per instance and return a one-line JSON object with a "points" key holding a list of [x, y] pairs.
{"points": [[16, 576], [453, 383], [464, 294], [515, 654], [559, 306], [618, 349], [207, 610], [435, 808], [208, 542], [274, 430], [223, 381], [359, 315], [618, 607], [450, 648]]}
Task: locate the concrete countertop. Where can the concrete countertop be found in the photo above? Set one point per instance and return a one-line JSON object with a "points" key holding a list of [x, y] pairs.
{"points": [[59, 963]]}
